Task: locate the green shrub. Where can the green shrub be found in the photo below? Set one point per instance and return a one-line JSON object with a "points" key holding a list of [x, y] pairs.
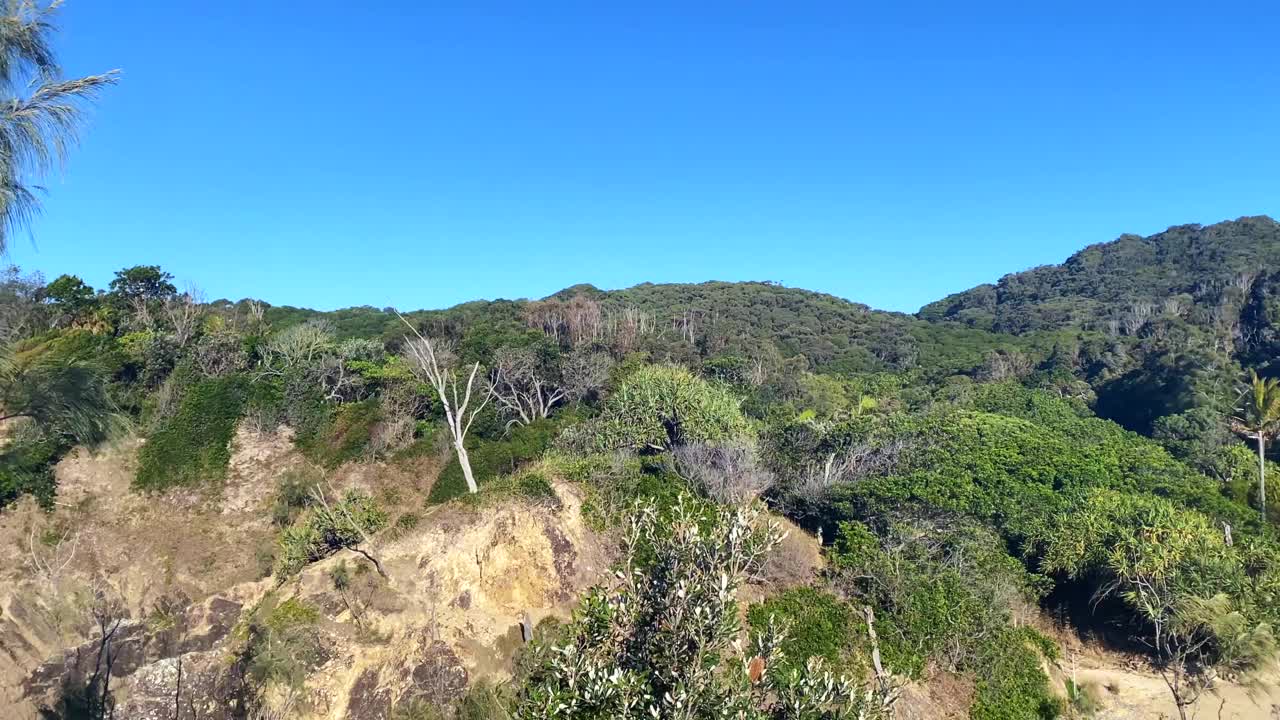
{"points": [[818, 625], [26, 467], [491, 459], [658, 407], [282, 643], [193, 446], [483, 701], [293, 493], [1011, 682], [406, 523], [526, 485], [935, 586], [345, 437]]}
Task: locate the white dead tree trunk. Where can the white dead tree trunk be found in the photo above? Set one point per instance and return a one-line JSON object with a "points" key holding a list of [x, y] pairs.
{"points": [[522, 389], [435, 360]]}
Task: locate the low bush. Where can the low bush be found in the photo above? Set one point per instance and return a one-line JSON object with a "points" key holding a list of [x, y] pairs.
{"points": [[322, 531], [193, 446], [658, 407], [26, 467], [293, 494], [491, 459], [1011, 682], [282, 644], [345, 437], [820, 625]]}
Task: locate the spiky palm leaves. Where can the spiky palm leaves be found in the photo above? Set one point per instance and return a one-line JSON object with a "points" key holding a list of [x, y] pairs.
{"points": [[64, 399], [40, 112], [1258, 417]]}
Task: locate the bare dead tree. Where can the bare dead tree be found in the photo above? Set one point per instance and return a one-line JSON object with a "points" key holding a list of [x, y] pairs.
{"points": [[219, 354], [1005, 365], [435, 360], [107, 613], [756, 373], [257, 316], [141, 318], [686, 325], [883, 692], [730, 475], [585, 373], [1244, 281], [1137, 316], [184, 313], [575, 321], [625, 328], [298, 347], [525, 391], [49, 562], [817, 478]]}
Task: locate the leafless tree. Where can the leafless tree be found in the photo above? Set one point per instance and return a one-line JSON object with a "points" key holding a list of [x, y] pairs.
{"points": [[49, 559], [625, 328], [575, 321], [298, 347], [817, 478], [1005, 365], [257, 317], [435, 360], [184, 313], [20, 308], [400, 407], [1137, 316], [730, 474], [883, 692], [1244, 281], [585, 373], [686, 325], [219, 354], [107, 613], [524, 389], [1174, 306], [756, 372]]}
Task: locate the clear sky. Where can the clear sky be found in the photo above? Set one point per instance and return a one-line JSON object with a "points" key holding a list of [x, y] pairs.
{"points": [[418, 154]]}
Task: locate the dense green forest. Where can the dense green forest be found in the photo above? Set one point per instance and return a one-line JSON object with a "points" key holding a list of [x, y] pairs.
{"points": [[1008, 449]]}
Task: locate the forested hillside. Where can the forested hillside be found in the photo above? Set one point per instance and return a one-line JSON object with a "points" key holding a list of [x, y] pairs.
{"points": [[1116, 285], [765, 321], [959, 473]]}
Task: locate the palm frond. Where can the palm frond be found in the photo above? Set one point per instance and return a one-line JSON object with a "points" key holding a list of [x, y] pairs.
{"points": [[40, 113], [26, 27], [36, 133]]}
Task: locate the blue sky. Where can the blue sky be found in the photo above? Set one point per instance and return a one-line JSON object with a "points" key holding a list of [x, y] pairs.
{"points": [[420, 154]]}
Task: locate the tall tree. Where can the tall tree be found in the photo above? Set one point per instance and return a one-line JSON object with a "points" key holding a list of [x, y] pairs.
{"points": [[40, 111], [435, 359], [1258, 417]]}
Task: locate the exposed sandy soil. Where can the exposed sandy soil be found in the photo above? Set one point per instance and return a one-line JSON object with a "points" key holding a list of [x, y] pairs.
{"points": [[462, 583]]}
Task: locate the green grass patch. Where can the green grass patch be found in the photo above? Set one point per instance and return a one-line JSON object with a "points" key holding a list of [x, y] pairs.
{"points": [[194, 445]]}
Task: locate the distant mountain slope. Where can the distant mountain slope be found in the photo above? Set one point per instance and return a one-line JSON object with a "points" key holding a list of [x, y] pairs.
{"points": [[711, 319], [1103, 282]]}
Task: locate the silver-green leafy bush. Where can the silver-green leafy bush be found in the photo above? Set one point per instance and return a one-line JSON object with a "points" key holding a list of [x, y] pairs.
{"points": [[664, 640]]}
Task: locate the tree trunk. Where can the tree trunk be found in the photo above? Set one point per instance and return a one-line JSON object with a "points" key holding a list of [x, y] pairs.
{"points": [[465, 462], [1262, 479]]}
